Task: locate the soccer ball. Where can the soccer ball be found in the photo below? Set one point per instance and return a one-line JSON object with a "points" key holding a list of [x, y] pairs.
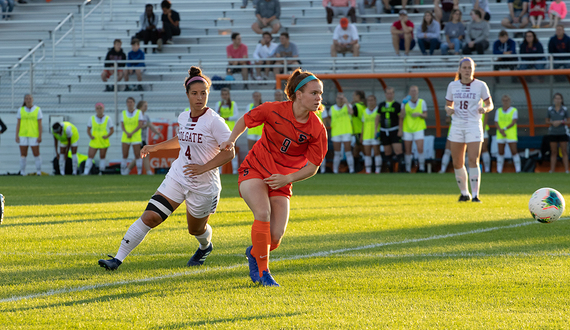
{"points": [[546, 205]]}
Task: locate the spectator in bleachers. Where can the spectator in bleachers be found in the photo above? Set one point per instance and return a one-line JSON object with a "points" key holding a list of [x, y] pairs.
{"points": [[170, 24], [345, 8], [414, 114], [536, 13], [531, 45], [483, 7], [556, 12], [238, 51], [454, 34], [390, 4], [444, 13], [402, 32], [518, 15], [428, 34], [267, 13], [114, 54], [363, 4], [262, 53], [149, 22], [135, 67], [99, 128], [278, 95], [560, 44], [477, 36], [345, 39], [557, 118], [7, 7], [29, 132], [504, 46], [286, 49], [67, 135], [506, 122]]}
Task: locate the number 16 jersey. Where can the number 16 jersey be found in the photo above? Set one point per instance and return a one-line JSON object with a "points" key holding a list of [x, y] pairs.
{"points": [[467, 99]]}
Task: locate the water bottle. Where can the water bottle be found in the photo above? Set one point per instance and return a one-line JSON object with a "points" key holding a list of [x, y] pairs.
{"points": [[406, 99]]}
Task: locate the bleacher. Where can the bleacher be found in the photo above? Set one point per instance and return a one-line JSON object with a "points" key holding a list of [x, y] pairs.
{"points": [[66, 78]]}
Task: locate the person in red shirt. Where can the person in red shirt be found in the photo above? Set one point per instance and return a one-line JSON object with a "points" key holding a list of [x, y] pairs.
{"points": [[291, 148], [403, 34], [237, 50]]}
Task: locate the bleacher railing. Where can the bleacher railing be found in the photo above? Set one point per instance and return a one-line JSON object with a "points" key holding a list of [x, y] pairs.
{"points": [[32, 64], [70, 18], [84, 16]]}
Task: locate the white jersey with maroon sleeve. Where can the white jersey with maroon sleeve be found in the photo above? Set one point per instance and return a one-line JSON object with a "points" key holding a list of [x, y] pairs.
{"points": [[467, 99], [199, 139]]}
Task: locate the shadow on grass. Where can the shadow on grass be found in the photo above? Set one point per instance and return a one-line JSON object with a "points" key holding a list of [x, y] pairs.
{"points": [[219, 322]]}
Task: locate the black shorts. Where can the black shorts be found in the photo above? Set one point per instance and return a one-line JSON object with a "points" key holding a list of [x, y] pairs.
{"points": [[388, 138], [558, 138]]}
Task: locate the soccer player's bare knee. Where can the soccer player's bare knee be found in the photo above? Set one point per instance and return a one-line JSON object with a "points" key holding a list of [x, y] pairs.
{"points": [[157, 210]]}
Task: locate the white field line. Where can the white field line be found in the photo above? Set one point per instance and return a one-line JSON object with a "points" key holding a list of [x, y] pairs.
{"points": [[304, 256]]}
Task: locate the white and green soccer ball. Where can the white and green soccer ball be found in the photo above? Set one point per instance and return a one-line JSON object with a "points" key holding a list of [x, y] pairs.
{"points": [[546, 205]]}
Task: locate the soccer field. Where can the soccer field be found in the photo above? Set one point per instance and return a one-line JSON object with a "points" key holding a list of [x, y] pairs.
{"points": [[361, 251]]}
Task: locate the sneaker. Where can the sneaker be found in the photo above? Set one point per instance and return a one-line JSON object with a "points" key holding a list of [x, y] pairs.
{"points": [[267, 279], [127, 88], [476, 200], [464, 198], [140, 88], [110, 264], [2, 210], [253, 269], [159, 44], [200, 256], [169, 42]]}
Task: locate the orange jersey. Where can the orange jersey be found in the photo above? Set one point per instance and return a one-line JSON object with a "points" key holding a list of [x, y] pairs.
{"points": [[285, 145]]}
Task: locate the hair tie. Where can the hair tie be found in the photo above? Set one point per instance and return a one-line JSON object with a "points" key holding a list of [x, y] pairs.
{"points": [[99, 104], [196, 78], [304, 81], [465, 59]]}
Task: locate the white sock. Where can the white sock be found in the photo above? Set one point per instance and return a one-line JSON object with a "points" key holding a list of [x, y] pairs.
{"points": [[88, 166], [475, 178], [62, 164], [39, 165], [324, 166], [133, 237], [517, 161], [349, 161], [139, 163], [102, 165], [461, 177], [466, 161], [422, 161], [149, 172], [74, 163], [368, 164], [336, 161], [486, 161], [124, 167], [408, 159], [235, 165], [205, 238], [445, 160], [22, 165], [500, 163], [378, 163]]}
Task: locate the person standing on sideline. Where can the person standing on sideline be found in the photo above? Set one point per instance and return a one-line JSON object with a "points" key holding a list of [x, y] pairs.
{"points": [[389, 125], [341, 131], [67, 135], [228, 110], [193, 176], [368, 137], [557, 118], [29, 133], [99, 128], [254, 133], [143, 106], [485, 155], [467, 99], [414, 115], [506, 123], [358, 108], [132, 121], [293, 144]]}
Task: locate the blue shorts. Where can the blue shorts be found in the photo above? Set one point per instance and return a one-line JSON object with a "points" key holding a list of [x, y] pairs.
{"points": [[403, 46]]}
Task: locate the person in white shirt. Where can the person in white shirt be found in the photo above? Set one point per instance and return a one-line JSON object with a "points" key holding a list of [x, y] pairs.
{"points": [[345, 39], [193, 176], [99, 128], [29, 133], [132, 121], [263, 51], [506, 119], [467, 99]]}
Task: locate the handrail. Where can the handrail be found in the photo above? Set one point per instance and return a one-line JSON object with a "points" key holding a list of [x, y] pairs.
{"points": [[69, 17], [31, 53], [85, 16], [33, 50]]}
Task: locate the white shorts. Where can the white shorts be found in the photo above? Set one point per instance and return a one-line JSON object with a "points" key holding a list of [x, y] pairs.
{"points": [[342, 138], [28, 141], [64, 144], [503, 141], [370, 142], [419, 135], [199, 206], [254, 137], [465, 135], [340, 11], [133, 143]]}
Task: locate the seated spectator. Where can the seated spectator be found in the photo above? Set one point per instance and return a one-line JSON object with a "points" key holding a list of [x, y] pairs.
{"points": [[531, 45], [536, 13], [428, 34], [148, 31], [340, 8], [286, 49], [477, 36], [560, 43], [7, 7], [443, 13], [262, 53], [504, 46], [556, 12], [267, 13], [237, 50], [363, 4], [454, 34], [135, 67], [390, 4], [114, 54], [170, 24], [518, 15], [402, 32], [483, 7], [345, 39]]}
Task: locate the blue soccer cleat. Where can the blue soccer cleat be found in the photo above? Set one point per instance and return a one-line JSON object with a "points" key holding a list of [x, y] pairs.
{"points": [[267, 279], [253, 269], [110, 264], [200, 256]]}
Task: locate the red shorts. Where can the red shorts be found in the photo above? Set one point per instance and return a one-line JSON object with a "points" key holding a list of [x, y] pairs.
{"points": [[109, 73], [246, 173]]}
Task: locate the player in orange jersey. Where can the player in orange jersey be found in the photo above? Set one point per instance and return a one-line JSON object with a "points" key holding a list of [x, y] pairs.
{"points": [[293, 144]]}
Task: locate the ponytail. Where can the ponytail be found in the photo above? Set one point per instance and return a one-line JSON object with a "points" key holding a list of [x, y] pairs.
{"points": [[294, 80], [195, 75]]}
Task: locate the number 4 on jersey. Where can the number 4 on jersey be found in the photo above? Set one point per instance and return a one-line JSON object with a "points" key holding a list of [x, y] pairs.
{"points": [[187, 154]]}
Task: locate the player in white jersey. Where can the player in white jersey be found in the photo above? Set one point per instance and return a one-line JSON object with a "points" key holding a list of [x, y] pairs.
{"points": [[467, 99], [193, 176]]}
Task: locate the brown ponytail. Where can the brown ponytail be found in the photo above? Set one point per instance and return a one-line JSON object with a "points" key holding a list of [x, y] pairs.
{"points": [[294, 79]]}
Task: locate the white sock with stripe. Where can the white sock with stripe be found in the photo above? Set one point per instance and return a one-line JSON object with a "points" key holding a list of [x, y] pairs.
{"points": [[124, 167], [461, 178], [486, 161], [445, 160], [500, 163], [62, 164], [517, 161], [88, 166], [133, 237], [368, 164], [22, 165], [205, 238], [102, 165], [475, 178], [408, 159], [39, 165]]}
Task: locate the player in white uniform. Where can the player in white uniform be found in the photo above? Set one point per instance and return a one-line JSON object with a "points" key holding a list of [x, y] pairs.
{"points": [[467, 99], [193, 176]]}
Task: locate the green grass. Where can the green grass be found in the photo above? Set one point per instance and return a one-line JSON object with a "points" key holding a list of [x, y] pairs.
{"points": [[361, 251]]}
